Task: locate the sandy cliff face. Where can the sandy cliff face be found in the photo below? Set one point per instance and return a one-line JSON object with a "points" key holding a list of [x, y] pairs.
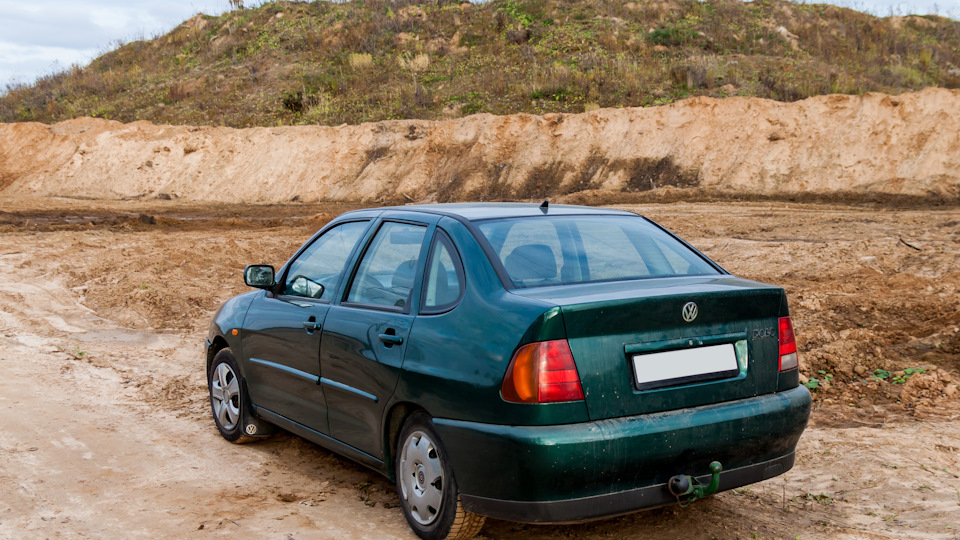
{"points": [[875, 143]]}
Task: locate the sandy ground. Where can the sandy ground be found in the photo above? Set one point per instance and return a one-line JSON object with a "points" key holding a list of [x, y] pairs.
{"points": [[105, 428]]}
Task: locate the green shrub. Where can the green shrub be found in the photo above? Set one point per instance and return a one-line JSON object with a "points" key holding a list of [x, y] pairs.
{"points": [[327, 62]]}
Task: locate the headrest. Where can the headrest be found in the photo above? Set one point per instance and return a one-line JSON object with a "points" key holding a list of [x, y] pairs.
{"points": [[533, 261], [403, 276]]}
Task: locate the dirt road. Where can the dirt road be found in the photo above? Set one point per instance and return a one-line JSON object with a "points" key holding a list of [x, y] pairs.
{"points": [[105, 429]]}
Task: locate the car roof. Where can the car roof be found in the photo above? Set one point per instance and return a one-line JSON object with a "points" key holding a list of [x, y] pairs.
{"points": [[480, 211]]}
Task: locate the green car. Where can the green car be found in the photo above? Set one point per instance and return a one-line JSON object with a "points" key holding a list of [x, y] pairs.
{"points": [[541, 364]]}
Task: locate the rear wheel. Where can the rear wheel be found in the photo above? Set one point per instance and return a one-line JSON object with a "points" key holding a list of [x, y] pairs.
{"points": [[428, 492], [228, 399]]}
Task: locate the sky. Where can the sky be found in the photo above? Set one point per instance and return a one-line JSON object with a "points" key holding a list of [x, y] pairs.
{"points": [[40, 37]]}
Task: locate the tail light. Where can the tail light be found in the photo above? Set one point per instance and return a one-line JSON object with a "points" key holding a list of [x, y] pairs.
{"points": [[542, 372], [788, 345]]}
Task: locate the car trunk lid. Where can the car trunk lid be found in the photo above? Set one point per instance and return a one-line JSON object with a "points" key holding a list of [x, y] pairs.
{"points": [[636, 353]]}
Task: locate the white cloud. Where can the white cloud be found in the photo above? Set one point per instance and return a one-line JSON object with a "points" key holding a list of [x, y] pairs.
{"points": [[111, 19], [40, 36], [884, 8], [24, 63]]}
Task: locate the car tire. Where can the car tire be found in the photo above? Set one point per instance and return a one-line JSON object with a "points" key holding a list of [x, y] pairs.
{"points": [[228, 397], [426, 487]]}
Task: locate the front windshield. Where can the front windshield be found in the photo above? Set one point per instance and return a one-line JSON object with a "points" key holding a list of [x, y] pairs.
{"points": [[553, 250]]}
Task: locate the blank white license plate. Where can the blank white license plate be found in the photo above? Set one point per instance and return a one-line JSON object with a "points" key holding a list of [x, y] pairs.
{"points": [[659, 369]]}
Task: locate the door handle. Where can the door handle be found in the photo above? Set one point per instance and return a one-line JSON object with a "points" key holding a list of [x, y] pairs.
{"points": [[311, 326], [390, 339]]}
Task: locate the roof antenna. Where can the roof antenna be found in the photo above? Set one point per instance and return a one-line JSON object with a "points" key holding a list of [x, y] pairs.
{"points": [[545, 206]]}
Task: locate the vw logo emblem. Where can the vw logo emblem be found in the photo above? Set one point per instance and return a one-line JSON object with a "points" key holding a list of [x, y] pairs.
{"points": [[689, 311]]}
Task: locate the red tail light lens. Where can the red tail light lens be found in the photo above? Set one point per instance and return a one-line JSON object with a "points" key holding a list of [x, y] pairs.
{"points": [[788, 345], [542, 372]]}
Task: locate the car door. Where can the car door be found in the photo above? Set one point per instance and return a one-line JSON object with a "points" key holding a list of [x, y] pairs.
{"points": [[282, 332], [365, 336]]}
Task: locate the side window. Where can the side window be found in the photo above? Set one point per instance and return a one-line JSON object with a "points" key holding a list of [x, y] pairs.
{"points": [[388, 270], [315, 272], [444, 276]]}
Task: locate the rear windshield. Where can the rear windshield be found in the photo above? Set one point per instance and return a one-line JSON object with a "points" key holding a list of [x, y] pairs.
{"points": [[548, 250]]}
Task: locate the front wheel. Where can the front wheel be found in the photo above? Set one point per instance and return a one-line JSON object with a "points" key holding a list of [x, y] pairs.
{"points": [[228, 399], [428, 492]]}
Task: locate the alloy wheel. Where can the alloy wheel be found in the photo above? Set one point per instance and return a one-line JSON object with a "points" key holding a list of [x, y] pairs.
{"points": [[225, 396]]}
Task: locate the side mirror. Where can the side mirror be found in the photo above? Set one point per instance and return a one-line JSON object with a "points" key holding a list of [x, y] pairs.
{"points": [[259, 276]]}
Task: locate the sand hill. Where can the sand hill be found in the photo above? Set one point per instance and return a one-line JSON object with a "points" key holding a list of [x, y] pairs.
{"points": [[906, 145]]}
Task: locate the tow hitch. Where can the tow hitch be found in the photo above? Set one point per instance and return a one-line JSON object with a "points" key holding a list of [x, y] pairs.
{"points": [[689, 489]]}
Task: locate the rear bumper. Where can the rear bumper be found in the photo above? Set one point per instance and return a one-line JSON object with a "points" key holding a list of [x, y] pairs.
{"points": [[578, 472], [612, 504]]}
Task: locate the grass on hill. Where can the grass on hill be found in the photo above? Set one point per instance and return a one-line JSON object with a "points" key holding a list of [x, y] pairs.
{"points": [[329, 63]]}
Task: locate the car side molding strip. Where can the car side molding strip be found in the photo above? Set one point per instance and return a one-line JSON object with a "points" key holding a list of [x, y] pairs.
{"points": [[287, 369], [356, 391]]}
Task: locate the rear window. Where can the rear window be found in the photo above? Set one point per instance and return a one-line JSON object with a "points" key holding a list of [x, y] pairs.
{"points": [[548, 250]]}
